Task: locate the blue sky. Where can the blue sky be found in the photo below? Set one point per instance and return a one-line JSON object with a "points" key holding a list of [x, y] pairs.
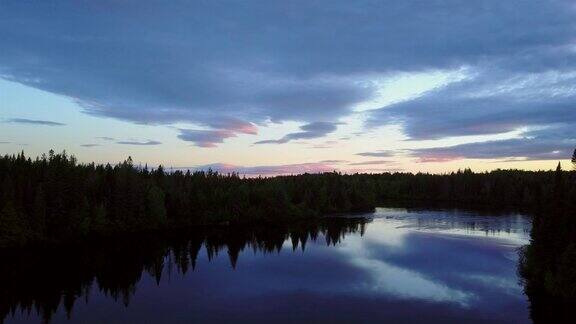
{"points": [[292, 86]]}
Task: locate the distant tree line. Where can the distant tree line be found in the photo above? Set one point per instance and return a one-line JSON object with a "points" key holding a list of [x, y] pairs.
{"points": [[53, 197]]}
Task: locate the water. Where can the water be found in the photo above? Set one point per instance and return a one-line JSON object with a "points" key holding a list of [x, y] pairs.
{"points": [[395, 266]]}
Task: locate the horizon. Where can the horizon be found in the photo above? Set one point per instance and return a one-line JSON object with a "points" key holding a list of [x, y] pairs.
{"points": [[268, 88], [265, 171]]}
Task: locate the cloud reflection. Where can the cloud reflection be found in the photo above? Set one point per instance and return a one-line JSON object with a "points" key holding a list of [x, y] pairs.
{"points": [[433, 256], [397, 281]]}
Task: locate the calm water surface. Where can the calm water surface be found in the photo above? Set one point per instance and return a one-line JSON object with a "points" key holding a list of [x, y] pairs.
{"points": [[396, 266]]}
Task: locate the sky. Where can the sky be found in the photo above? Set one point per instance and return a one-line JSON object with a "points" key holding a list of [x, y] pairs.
{"points": [[285, 87]]}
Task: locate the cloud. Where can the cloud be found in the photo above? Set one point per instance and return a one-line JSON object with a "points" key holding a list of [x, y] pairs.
{"points": [[309, 131], [372, 170], [325, 145], [33, 122], [225, 128], [235, 125], [106, 138], [144, 143], [2, 142], [491, 102], [381, 153], [89, 145], [378, 162], [202, 62], [205, 138], [289, 169], [270, 170], [552, 143], [333, 161]]}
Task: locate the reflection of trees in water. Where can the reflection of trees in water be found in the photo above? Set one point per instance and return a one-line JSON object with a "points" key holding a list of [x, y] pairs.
{"points": [[41, 281]]}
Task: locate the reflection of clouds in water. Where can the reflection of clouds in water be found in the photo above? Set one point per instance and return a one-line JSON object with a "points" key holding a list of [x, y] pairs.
{"points": [[430, 256], [386, 233], [509, 286], [390, 231], [394, 280]]}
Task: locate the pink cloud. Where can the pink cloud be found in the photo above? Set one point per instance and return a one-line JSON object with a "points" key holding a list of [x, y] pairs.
{"points": [[286, 169], [223, 129], [268, 170], [235, 125]]}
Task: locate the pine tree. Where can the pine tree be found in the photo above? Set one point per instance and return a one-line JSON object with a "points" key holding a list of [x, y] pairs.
{"points": [[574, 159]]}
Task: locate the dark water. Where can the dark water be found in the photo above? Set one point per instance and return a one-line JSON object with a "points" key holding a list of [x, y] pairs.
{"points": [[396, 266]]}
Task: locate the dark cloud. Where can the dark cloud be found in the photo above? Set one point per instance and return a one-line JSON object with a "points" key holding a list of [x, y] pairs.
{"points": [[233, 124], [378, 162], [148, 142], [33, 122], [489, 103], [225, 128], [552, 143], [205, 138], [381, 153], [198, 62], [89, 145], [106, 138], [5, 142], [309, 131], [333, 161]]}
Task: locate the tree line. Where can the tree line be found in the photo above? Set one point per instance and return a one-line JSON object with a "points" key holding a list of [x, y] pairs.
{"points": [[53, 197]]}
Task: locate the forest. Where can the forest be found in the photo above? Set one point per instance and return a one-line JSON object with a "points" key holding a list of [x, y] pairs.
{"points": [[53, 198]]}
